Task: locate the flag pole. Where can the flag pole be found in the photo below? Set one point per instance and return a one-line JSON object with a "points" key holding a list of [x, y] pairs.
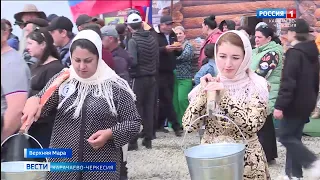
{"points": [[147, 15]]}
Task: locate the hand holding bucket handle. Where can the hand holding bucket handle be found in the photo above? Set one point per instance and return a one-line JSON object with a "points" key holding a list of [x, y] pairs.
{"points": [[31, 113], [213, 98], [32, 109], [25, 126]]}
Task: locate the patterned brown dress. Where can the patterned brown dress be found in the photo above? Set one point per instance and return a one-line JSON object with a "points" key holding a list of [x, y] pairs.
{"points": [[248, 115]]}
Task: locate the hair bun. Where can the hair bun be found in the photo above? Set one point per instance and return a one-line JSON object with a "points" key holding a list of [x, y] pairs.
{"points": [[212, 17]]}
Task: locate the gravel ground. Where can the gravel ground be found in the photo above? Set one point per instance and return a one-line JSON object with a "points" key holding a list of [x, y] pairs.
{"points": [[166, 159]]}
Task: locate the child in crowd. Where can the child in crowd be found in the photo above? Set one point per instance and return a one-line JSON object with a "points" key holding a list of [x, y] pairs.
{"points": [[208, 64]]}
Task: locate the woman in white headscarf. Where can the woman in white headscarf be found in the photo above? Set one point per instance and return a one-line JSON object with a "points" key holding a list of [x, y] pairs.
{"points": [[96, 113], [243, 97]]}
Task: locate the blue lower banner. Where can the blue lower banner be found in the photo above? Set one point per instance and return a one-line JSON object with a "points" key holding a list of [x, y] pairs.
{"points": [[47, 153], [70, 166]]}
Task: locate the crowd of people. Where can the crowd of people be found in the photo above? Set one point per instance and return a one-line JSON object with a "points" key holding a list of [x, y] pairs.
{"points": [[91, 91]]}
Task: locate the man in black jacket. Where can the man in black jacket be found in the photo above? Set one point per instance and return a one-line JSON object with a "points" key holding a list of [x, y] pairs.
{"points": [[167, 64], [297, 98], [145, 52]]}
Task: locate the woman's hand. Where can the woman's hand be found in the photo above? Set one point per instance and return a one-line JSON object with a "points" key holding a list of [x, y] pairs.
{"points": [[31, 113], [215, 89], [100, 138], [214, 86], [277, 114], [178, 48], [269, 86], [170, 48], [205, 79]]}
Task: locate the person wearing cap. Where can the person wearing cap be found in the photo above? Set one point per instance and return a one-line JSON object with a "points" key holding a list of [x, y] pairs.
{"points": [[30, 11], [84, 19], [19, 23], [61, 32], [145, 26], [125, 39], [297, 98], [106, 55], [13, 40], [51, 17], [168, 54], [32, 24], [144, 49], [122, 59]]}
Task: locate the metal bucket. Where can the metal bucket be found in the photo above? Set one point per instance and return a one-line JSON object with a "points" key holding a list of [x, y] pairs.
{"points": [[220, 161], [15, 170]]}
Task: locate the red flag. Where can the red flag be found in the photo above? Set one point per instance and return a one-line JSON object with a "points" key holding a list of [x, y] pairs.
{"points": [[96, 7]]}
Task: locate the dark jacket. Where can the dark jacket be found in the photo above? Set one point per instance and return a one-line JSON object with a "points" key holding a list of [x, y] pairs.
{"points": [[167, 60], [64, 54], [153, 33], [144, 49], [300, 81], [122, 62]]}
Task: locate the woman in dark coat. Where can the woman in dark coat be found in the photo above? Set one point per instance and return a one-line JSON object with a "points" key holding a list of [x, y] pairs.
{"points": [[96, 112]]}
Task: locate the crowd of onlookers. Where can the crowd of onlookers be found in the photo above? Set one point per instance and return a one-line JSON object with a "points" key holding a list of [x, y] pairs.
{"points": [[162, 67]]}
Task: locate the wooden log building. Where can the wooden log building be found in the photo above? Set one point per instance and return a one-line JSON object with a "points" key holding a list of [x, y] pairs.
{"points": [[190, 13]]}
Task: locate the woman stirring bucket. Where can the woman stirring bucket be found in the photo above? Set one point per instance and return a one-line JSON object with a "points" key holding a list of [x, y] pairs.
{"points": [[96, 113], [243, 99]]}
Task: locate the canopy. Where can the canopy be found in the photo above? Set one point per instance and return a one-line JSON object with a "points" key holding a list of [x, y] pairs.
{"points": [[96, 7]]}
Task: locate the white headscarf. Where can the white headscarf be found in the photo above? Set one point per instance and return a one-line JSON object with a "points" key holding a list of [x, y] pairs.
{"points": [[245, 82], [245, 79], [100, 83]]}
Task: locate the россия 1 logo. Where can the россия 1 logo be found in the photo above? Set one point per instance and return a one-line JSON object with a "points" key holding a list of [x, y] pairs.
{"points": [[276, 13]]}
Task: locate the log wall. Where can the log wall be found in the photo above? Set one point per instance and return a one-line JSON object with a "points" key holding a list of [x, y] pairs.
{"points": [[191, 13], [187, 3], [233, 8], [196, 22]]}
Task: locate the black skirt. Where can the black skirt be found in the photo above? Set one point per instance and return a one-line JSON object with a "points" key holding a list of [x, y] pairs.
{"points": [[267, 138]]}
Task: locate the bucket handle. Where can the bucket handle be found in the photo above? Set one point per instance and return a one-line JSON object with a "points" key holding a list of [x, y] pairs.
{"points": [[13, 135], [244, 140]]}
